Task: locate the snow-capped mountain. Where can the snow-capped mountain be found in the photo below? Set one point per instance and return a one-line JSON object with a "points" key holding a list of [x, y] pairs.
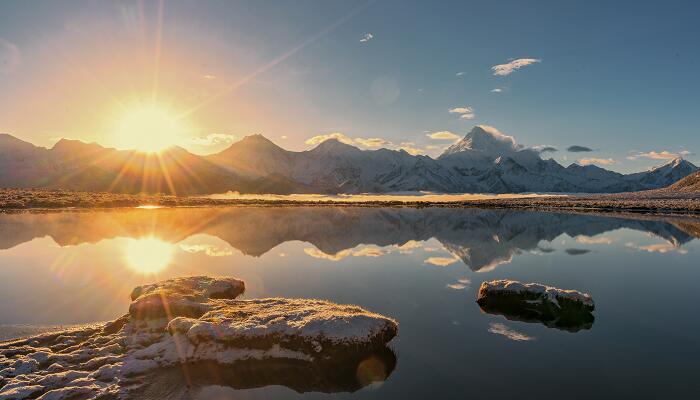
{"points": [[484, 161]]}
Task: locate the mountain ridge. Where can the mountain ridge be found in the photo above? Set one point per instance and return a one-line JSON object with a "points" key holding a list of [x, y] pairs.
{"points": [[484, 161]]}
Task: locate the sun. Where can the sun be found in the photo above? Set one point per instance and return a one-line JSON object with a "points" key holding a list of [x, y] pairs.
{"points": [[149, 127], [148, 255]]}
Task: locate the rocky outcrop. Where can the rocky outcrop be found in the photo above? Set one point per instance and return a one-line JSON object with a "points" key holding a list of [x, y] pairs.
{"points": [[531, 302], [195, 324]]}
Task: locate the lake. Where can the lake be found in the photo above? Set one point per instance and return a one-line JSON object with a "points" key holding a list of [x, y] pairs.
{"points": [[421, 266]]}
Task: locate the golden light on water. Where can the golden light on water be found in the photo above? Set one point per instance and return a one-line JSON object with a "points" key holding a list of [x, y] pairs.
{"points": [[148, 255], [148, 126]]}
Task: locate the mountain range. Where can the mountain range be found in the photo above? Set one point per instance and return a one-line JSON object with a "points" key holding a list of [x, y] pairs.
{"points": [[484, 161]]}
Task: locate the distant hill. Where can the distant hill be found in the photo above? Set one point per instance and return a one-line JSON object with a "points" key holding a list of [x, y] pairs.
{"points": [[484, 161], [690, 183]]}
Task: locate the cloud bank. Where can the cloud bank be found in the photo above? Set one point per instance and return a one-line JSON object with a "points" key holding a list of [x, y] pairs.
{"points": [[659, 155], [602, 161]]}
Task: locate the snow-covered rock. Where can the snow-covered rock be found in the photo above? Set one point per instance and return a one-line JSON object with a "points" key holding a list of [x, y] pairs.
{"points": [[288, 338], [563, 309]]}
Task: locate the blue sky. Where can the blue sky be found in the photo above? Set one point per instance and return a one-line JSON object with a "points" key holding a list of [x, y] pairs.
{"points": [[617, 77]]}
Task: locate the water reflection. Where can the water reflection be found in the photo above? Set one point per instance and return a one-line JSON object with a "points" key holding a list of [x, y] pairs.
{"points": [[209, 380], [421, 266], [481, 239]]}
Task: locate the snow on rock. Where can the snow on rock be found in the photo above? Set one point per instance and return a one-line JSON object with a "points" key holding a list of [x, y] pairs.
{"points": [[532, 302], [205, 324], [305, 324]]}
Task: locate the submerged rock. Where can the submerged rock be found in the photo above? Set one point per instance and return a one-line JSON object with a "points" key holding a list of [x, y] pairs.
{"points": [[569, 310], [194, 325]]}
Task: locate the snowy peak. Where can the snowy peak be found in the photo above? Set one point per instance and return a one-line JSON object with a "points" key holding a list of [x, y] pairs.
{"points": [[677, 162], [484, 139]]}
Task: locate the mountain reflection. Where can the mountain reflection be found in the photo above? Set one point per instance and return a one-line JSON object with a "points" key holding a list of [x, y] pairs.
{"points": [[481, 239]]}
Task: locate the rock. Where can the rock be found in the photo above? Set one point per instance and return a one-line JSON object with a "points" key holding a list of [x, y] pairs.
{"points": [[309, 326], [563, 309], [181, 297], [307, 345]]}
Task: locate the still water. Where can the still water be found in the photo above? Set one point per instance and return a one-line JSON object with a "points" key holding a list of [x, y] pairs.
{"points": [[420, 266]]}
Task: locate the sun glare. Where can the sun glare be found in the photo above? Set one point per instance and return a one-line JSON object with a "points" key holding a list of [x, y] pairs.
{"points": [[149, 127], [148, 255]]}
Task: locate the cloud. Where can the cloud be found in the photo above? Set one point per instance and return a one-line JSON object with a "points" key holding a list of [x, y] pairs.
{"points": [[363, 142], [441, 261], [501, 137], [372, 142], [316, 253], [507, 69], [443, 135], [465, 112], [460, 73], [576, 252], [594, 240], [213, 139], [208, 249], [209, 76], [544, 149], [662, 248], [461, 284], [366, 37], [497, 90], [578, 149], [501, 329], [601, 161], [410, 149], [659, 155]]}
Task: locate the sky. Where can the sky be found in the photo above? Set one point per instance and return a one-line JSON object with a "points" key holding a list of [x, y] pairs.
{"points": [[615, 83]]}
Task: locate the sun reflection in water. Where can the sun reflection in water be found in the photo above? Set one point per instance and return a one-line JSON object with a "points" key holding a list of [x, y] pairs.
{"points": [[148, 255]]}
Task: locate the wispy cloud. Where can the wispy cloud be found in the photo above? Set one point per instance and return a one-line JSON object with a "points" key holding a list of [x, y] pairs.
{"points": [[461, 284], [601, 161], [543, 148], [578, 149], [460, 73], [208, 249], [661, 248], [372, 142], [411, 148], [213, 139], [366, 37], [659, 155], [341, 137], [441, 261], [503, 330], [594, 240], [497, 90], [508, 68], [443, 135], [465, 112]]}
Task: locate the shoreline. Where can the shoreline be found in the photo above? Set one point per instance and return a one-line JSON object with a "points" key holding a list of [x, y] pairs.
{"points": [[18, 200]]}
